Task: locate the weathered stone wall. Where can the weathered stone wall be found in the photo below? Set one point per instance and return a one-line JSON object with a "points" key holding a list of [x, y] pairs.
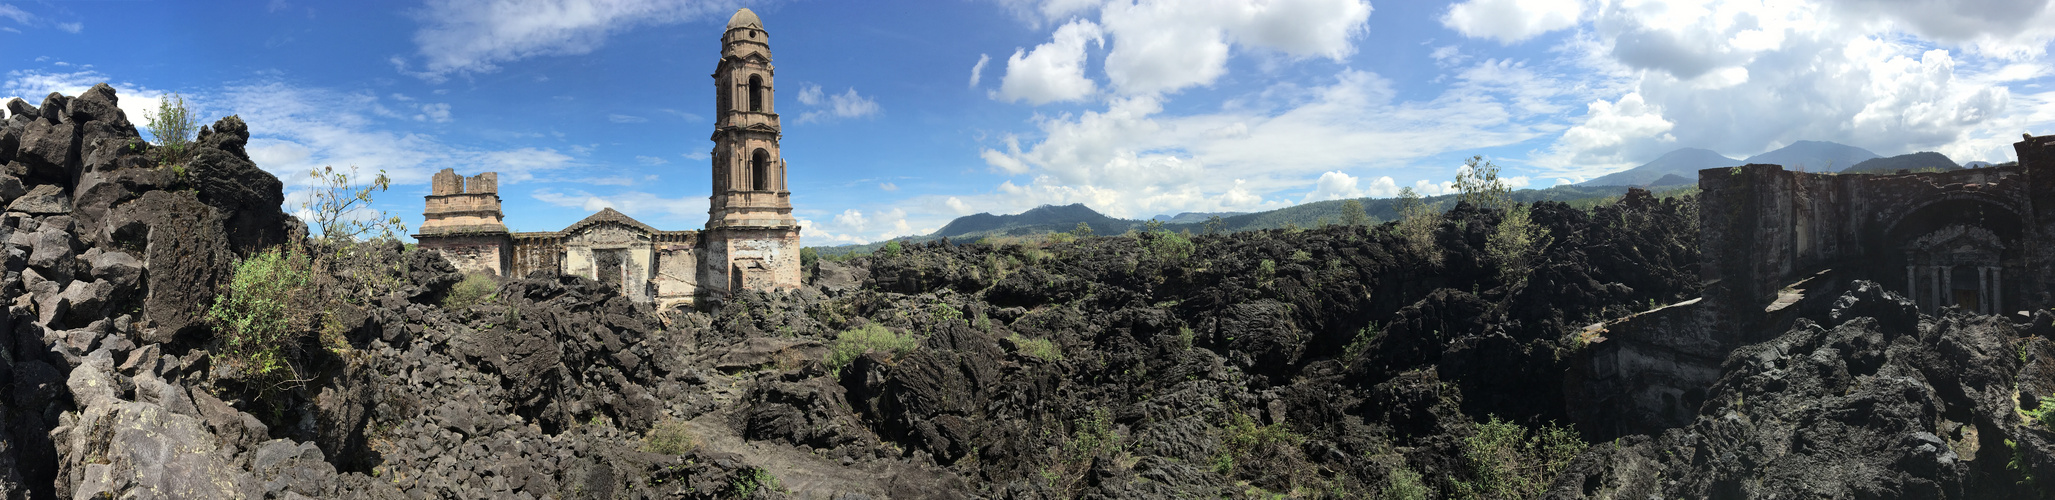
{"points": [[474, 253], [615, 254]]}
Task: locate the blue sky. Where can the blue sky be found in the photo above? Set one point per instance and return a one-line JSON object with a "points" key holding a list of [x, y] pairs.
{"points": [[902, 115]]}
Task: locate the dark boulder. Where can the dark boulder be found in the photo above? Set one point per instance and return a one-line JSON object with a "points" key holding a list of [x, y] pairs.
{"points": [[185, 260], [248, 197]]}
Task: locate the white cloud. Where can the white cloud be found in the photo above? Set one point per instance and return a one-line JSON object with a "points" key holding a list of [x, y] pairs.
{"points": [[1510, 21], [852, 219], [1054, 71], [847, 104], [438, 112], [641, 205], [73, 28], [2001, 28], [466, 36], [620, 118], [1166, 45], [651, 160], [1601, 143], [19, 16], [137, 102], [888, 186], [977, 71], [1335, 185], [1742, 77]]}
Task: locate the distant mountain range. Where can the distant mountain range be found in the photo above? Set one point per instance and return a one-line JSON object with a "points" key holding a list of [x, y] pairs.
{"points": [[1811, 156], [1065, 218]]}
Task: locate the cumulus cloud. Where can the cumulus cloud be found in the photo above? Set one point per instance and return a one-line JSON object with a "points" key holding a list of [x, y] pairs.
{"points": [[1134, 160], [465, 36], [1511, 21], [1743, 77], [1054, 71], [1166, 45], [1335, 185], [834, 106]]}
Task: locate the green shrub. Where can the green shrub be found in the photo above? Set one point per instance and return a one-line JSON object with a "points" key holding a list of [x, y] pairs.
{"points": [[891, 249], [672, 437], [173, 126], [475, 289], [1244, 440], [342, 210], [808, 258], [1417, 222], [1169, 247], [1513, 246], [2043, 413], [264, 313], [1403, 484], [1505, 462], [756, 479], [874, 337], [1042, 349], [1082, 230]]}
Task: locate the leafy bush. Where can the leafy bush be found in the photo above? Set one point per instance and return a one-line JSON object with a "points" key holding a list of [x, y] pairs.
{"points": [[1403, 484], [891, 249], [1353, 214], [173, 125], [1244, 440], [1169, 247], [756, 479], [2043, 413], [1417, 222], [1515, 243], [1083, 230], [672, 437], [264, 313], [341, 208], [808, 258], [853, 343], [475, 289], [1505, 462], [1039, 348]]}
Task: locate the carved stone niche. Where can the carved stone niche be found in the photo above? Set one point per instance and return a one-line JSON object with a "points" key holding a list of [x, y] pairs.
{"points": [[1958, 265]]}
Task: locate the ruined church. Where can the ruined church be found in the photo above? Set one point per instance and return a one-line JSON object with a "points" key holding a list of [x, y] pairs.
{"points": [[751, 241]]}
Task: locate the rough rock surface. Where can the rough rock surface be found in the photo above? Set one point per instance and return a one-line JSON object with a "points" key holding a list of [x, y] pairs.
{"points": [[1338, 362]]}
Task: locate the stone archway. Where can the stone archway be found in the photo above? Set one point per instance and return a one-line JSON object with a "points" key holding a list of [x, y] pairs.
{"points": [[1959, 251]]}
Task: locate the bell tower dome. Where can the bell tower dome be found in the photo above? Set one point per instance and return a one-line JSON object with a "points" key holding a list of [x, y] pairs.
{"points": [[752, 238]]}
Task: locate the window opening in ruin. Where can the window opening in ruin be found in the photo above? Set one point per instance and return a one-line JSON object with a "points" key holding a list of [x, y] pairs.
{"points": [[609, 266], [756, 93], [759, 165]]}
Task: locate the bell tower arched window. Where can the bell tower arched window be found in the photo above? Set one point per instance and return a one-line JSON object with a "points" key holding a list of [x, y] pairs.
{"points": [[756, 93], [759, 170]]}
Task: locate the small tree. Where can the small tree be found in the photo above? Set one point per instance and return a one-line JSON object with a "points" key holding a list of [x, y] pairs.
{"points": [[1480, 186], [1417, 222], [1352, 214], [1214, 224], [173, 126], [338, 203], [1082, 230]]}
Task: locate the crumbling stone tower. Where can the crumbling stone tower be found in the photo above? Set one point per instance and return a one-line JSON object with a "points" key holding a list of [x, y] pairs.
{"points": [[752, 241], [464, 221]]}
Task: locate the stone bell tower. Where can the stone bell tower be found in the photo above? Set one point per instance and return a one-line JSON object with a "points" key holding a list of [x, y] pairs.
{"points": [[752, 241]]}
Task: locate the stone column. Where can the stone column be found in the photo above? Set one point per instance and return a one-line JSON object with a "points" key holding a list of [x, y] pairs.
{"points": [[1997, 291], [1983, 290], [1939, 302], [1912, 283]]}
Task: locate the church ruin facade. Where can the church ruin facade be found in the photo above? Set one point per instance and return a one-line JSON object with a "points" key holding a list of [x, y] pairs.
{"points": [[1776, 245], [750, 242]]}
